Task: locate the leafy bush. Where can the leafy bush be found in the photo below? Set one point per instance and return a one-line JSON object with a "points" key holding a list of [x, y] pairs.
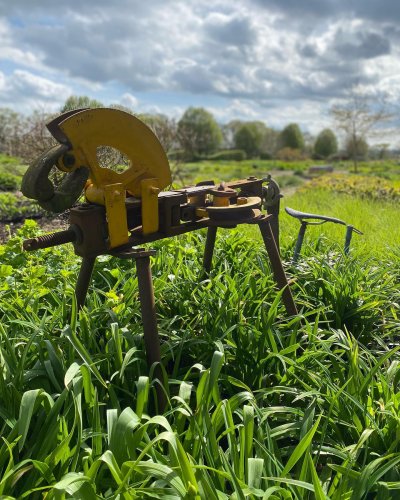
{"points": [[229, 155], [177, 155], [374, 188], [325, 144], [14, 207], [289, 154], [9, 182]]}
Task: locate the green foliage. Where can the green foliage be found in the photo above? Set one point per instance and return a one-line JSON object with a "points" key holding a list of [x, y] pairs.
{"points": [[198, 132], [163, 127], [81, 101], [249, 137], [15, 207], [325, 144], [289, 154], [291, 137], [357, 147], [9, 182], [375, 188], [259, 405], [228, 155]]}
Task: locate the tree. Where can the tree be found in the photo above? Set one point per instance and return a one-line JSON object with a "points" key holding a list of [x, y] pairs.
{"points": [[163, 127], [249, 137], [358, 118], [356, 149], [326, 143], [198, 132], [291, 137], [270, 140], [81, 101], [10, 130]]}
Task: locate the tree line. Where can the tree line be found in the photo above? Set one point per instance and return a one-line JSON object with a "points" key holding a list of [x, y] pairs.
{"points": [[197, 135]]}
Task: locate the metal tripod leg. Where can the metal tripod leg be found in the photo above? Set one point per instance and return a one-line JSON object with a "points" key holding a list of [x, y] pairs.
{"points": [[148, 310], [83, 282], [299, 242], [209, 248], [277, 268]]}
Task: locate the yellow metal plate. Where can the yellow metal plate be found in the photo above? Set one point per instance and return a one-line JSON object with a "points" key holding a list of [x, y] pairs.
{"points": [[89, 129], [114, 197]]}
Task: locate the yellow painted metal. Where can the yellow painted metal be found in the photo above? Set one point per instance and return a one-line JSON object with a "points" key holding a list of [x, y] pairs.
{"points": [[221, 201], [95, 194], [148, 171], [251, 202], [92, 128], [149, 195], [201, 212], [114, 198]]}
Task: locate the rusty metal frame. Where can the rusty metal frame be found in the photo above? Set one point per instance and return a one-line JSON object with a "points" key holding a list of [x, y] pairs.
{"points": [[178, 214]]}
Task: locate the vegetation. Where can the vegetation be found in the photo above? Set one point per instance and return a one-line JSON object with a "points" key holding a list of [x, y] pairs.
{"points": [[249, 137], [260, 405], [198, 133], [326, 144], [291, 137], [78, 102], [359, 117]]}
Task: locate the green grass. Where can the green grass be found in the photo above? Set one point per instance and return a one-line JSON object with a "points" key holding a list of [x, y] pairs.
{"points": [[11, 165], [259, 405], [230, 170]]}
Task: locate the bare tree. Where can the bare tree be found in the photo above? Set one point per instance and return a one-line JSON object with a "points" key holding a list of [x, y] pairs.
{"points": [[359, 118]]}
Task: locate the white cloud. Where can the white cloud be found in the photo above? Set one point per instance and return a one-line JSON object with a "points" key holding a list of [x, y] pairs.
{"points": [[129, 101], [249, 55], [25, 91]]}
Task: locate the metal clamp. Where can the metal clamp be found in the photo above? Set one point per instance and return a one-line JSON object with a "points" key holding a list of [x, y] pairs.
{"points": [[37, 185]]}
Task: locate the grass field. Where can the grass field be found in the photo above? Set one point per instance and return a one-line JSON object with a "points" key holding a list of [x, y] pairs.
{"points": [[260, 405]]}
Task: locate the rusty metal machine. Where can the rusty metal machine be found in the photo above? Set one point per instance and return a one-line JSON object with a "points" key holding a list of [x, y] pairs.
{"points": [[124, 210]]}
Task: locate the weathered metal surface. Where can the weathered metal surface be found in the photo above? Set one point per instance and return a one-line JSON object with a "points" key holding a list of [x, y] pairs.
{"points": [[83, 282], [37, 185], [272, 202], [276, 265], [307, 219], [149, 318], [51, 240], [209, 248]]}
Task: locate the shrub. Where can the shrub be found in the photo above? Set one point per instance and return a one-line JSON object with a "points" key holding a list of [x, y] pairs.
{"points": [[289, 154], [9, 182], [229, 155], [326, 144], [13, 207]]}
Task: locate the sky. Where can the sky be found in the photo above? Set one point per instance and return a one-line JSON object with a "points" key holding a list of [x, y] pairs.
{"points": [[279, 61]]}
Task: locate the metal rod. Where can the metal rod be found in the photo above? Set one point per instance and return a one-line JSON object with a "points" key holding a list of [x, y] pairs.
{"points": [[148, 310], [50, 240], [277, 267], [349, 234], [209, 248], [274, 221], [299, 242], [82, 285]]}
